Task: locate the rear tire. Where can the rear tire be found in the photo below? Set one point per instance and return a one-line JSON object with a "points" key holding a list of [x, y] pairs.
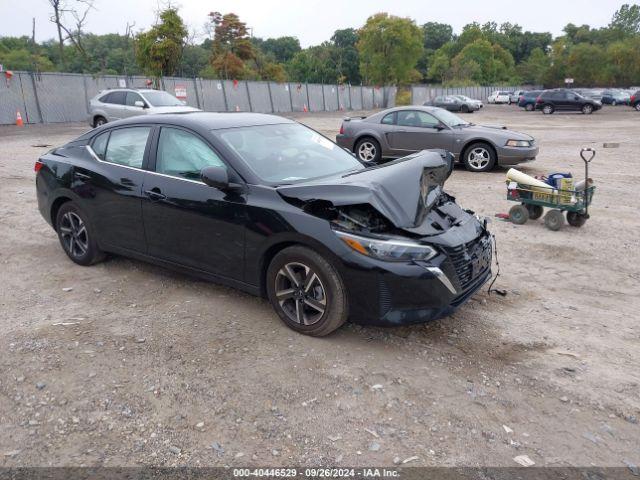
{"points": [[528, 107], [554, 220], [519, 214], [76, 236], [587, 109], [98, 121], [576, 219], [535, 211], [464, 109], [479, 157], [306, 292], [548, 109], [613, 103], [368, 150]]}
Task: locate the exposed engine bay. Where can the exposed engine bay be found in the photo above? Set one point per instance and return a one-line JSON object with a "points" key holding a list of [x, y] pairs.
{"points": [[403, 197]]}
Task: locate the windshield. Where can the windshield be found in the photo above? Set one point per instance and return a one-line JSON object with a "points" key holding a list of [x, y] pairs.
{"points": [[450, 119], [162, 99], [288, 153]]}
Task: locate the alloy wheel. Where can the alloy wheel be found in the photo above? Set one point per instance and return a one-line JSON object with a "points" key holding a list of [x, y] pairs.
{"points": [[300, 293], [367, 151], [74, 235], [547, 109], [478, 158]]}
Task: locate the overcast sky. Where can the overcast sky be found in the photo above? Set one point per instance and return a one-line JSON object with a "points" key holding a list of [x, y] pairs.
{"points": [[314, 21]]}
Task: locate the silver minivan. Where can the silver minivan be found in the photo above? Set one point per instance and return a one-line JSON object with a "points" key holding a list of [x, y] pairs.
{"points": [[111, 105]]}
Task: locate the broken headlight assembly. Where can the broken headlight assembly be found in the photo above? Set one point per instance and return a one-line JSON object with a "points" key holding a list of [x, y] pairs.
{"points": [[389, 249], [518, 143]]}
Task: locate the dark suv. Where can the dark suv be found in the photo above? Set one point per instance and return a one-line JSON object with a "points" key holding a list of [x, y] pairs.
{"points": [[527, 99], [635, 100], [560, 100]]}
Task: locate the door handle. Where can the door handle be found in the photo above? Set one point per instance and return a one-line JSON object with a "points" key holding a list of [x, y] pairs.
{"points": [[155, 194], [82, 176]]}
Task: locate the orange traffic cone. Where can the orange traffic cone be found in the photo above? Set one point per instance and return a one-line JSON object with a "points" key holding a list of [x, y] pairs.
{"points": [[19, 122], [305, 108], [237, 108]]}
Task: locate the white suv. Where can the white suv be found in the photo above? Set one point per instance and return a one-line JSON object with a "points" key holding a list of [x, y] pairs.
{"points": [[499, 97], [110, 105]]}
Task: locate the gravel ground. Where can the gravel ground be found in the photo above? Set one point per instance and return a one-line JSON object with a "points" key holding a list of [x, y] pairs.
{"points": [[125, 363]]}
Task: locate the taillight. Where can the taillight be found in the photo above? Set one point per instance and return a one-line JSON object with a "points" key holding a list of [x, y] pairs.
{"points": [[538, 99], [38, 166], [342, 129], [521, 98], [633, 98]]}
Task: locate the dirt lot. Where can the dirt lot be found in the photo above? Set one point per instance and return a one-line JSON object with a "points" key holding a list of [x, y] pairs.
{"points": [[126, 364]]}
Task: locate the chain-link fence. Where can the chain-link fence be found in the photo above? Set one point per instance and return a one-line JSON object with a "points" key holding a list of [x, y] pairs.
{"points": [[423, 93], [64, 97]]}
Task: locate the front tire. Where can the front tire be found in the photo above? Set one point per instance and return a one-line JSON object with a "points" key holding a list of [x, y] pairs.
{"points": [[528, 107], [479, 157], [519, 214], [587, 109], [76, 236], [554, 220], [368, 150], [613, 103], [548, 109], [637, 106], [576, 219], [464, 109], [306, 291]]}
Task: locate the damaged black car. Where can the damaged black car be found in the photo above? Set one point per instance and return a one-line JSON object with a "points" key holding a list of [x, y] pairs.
{"points": [[269, 206]]}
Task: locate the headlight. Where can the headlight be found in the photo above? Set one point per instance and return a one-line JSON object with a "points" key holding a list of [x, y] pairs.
{"points": [[389, 250], [518, 143]]}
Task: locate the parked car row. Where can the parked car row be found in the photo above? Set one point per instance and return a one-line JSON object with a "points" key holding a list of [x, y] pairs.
{"points": [[580, 100], [455, 103]]}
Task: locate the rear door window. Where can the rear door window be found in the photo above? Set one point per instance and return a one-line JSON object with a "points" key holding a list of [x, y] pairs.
{"points": [[126, 146], [116, 98]]}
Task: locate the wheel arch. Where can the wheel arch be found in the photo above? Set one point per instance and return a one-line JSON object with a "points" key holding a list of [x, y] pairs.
{"points": [[290, 241], [486, 141], [55, 208], [368, 134]]}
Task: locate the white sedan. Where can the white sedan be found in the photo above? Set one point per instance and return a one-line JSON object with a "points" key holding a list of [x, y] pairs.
{"points": [[499, 97]]}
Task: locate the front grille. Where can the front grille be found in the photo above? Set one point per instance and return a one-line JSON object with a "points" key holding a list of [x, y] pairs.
{"points": [[470, 260]]}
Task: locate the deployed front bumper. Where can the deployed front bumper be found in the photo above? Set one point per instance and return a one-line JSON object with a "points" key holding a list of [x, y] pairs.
{"points": [[391, 294]]}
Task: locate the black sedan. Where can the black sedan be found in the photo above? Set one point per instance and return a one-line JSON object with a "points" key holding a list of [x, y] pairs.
{"points": [[272, 207]]}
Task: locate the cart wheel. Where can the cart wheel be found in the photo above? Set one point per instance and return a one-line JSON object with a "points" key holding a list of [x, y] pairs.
{"points": [[535, 211], [576, 219], [519, 214], [554, 220]]}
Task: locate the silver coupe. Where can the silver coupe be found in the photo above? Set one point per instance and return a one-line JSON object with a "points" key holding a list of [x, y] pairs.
{"points": [[399, 131]]}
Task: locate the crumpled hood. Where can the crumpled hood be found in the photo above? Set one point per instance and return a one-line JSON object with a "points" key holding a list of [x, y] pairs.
{"points": [[403, 191], [176, 109]]}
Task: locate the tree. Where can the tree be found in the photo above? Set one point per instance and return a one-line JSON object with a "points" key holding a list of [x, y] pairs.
{"points": [[483, 63], [627, 19], [231, 45], [389, 48], [436, 35], [159, 50], [533, 69], [282, 48], [347, 57], [73, 31]]}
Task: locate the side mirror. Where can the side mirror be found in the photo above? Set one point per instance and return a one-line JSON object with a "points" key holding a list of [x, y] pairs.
{"points": [[139, 103], [441, 126], [576, 97], [216, 177]]}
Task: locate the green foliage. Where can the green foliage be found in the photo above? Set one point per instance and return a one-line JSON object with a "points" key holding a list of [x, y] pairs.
{"points": [[22, 54], [627, 19], [282, 49], [159, 50], [389, 48]]}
